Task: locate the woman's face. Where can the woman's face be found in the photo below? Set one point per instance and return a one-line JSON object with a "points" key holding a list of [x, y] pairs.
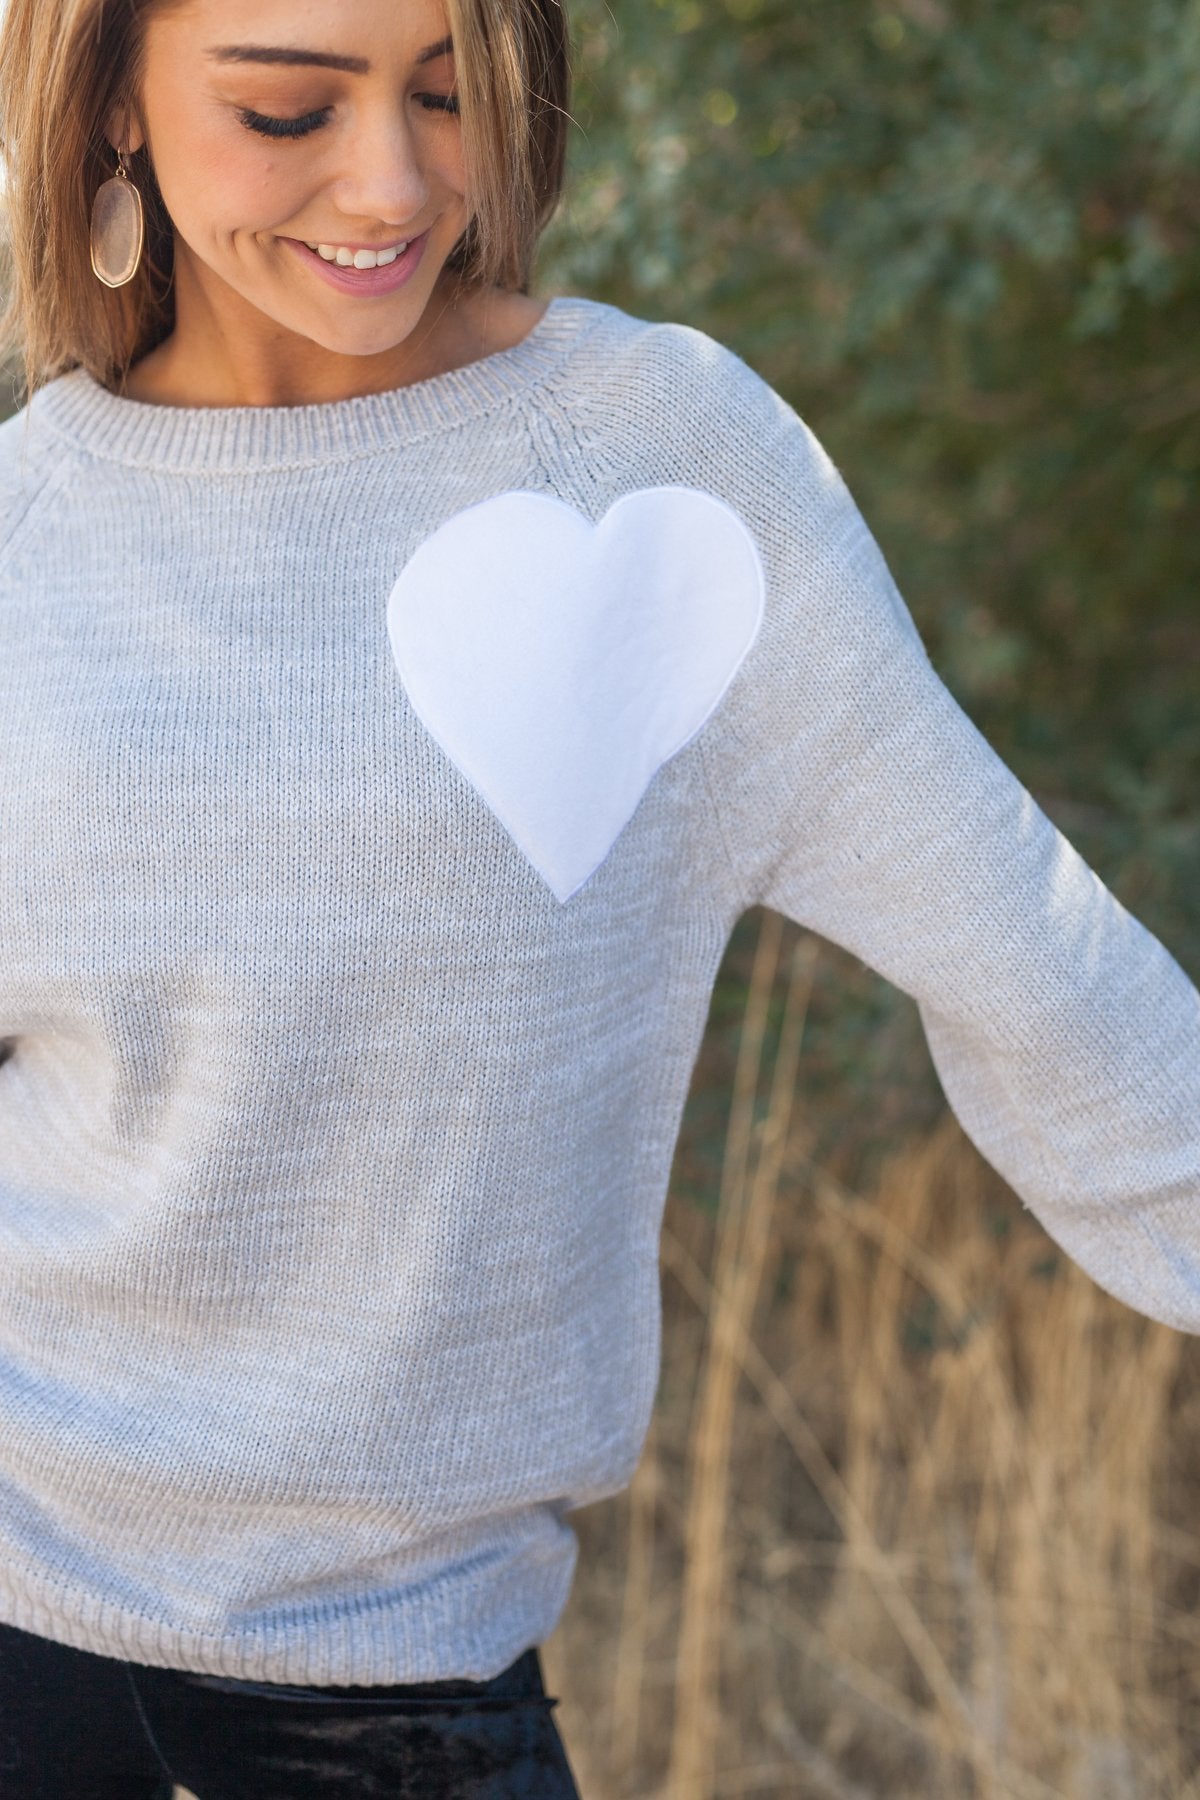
{"points": [[278, 125]]}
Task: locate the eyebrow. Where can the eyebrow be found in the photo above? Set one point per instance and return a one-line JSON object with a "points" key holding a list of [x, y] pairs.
{"points": [[315, 59], [443, 47]]}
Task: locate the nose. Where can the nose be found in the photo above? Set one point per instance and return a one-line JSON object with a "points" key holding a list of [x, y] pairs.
{"points": [[382, 176]]}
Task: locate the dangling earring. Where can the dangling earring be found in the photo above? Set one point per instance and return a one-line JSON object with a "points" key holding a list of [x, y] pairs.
{"points": [[118, 228]]}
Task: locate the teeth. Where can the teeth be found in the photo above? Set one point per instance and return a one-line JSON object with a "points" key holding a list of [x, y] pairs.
{"points": [[358, 259]]}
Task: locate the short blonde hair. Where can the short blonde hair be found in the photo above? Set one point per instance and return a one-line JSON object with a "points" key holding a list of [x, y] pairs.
{"points": [[67, 65]]}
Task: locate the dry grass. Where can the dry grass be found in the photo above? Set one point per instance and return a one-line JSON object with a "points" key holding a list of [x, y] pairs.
{"points": [[917, 1512]]}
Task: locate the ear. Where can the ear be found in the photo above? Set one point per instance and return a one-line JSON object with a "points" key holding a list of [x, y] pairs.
{"points": [[123, 129]]}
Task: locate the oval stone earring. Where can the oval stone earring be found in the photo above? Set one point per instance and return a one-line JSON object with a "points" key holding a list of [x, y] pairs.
{"points": [[118, 228]]}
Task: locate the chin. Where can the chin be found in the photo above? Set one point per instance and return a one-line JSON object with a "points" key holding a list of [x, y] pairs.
{"points": [[360, 343], [375, 346]]}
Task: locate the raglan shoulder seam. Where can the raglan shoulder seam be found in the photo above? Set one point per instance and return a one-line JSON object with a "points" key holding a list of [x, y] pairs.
{"points": [[736, 888], [39, 477], [576, 459]]}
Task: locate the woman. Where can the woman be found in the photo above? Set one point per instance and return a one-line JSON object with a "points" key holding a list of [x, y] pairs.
{"points": [[406, 685]]}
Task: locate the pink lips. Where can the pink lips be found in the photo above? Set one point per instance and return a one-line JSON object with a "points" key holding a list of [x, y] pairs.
{"points": [[384, 280]]}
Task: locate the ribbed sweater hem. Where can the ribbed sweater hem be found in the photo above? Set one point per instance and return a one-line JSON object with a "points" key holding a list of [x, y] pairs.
{"points": [[466, 1630]]}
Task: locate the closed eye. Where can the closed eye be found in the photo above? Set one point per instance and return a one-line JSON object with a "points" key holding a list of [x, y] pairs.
{"points": [[268, 126], [284, 128]]}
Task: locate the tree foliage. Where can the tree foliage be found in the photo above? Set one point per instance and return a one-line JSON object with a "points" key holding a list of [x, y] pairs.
{"points": [[964, 240]]}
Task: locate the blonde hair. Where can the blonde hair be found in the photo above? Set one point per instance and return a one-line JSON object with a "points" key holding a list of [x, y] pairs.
{"points": [[67, 65]]}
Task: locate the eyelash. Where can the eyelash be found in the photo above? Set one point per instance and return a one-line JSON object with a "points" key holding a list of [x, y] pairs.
{"points": [[266, 126]]}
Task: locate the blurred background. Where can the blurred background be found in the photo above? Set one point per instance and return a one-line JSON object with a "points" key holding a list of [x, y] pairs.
{"points": [[917, 1513]]}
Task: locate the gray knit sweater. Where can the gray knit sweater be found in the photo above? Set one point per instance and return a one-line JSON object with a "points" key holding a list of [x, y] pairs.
{"points": [[381, 781]]}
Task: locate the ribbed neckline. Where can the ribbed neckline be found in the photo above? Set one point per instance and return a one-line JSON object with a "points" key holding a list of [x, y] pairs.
{"points": [[237, 439]]}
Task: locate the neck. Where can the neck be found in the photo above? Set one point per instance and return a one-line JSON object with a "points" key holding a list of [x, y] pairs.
{"points": [[225, 352]]}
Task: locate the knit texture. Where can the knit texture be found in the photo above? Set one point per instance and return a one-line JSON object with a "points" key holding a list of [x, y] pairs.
{"points": [[333, 1145]]}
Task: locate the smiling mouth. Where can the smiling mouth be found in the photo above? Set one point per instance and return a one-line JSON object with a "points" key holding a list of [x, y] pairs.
{"points": [[345, 258]]}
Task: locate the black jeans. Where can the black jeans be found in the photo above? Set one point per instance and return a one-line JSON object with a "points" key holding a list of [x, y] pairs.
{"points": [[76, 1726]]}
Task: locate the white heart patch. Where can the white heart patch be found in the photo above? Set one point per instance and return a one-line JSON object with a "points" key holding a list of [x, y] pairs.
{"points": [[560, 664]]}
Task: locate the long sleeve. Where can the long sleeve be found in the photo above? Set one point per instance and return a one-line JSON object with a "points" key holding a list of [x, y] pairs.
{"points": [[856, 797]]}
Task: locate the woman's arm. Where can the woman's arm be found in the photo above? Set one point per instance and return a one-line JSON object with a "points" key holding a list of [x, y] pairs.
{"points": [[856, 797]]}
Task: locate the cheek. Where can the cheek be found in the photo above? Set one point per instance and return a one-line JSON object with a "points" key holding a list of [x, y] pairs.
{"points": [[445, 164], [216, 181]]}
